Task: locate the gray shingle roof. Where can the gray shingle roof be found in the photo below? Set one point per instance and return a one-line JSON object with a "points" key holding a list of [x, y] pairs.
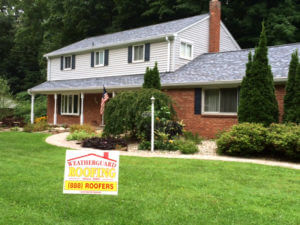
{"points": [[132, 35], [229, 66], [207, 68]]}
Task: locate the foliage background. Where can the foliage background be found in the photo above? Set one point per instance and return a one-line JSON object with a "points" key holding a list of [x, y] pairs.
{"points": [[30, 28]]}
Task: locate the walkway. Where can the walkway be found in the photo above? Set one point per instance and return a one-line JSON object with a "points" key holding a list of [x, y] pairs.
{"points": [[60, 140]]}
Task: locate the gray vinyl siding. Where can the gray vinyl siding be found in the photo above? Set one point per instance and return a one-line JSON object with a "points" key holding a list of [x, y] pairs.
{"points": [[118, 64], [227, 43], [198, 35]]}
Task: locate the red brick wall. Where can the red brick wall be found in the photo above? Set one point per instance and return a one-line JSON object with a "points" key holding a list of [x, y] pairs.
{"points": [[214, 25], [91, 111], [207, 126]]}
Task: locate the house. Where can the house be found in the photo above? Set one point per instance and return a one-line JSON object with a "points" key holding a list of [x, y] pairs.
{"points": [[201, 68]]}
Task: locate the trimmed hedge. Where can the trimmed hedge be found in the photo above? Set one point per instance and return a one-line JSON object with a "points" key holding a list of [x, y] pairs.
{"points": [[251, 139]]}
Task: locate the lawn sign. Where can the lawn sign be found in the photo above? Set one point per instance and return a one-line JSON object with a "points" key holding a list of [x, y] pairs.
{"points": [[91, 172]]}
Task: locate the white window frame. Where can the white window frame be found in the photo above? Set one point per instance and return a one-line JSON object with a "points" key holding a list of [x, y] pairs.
{"points": [[62, 105], [140, 60], [69, 68], [186, 42], [218, 113], [99, 65]]}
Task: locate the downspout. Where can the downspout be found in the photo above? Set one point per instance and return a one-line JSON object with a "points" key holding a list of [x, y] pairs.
{"points": [[48, 69], [169, 53]]}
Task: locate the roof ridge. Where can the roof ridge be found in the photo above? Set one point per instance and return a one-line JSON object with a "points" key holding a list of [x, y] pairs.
{"points": [[101, 35]]}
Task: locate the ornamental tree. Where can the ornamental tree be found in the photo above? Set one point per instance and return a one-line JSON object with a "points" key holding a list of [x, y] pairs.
{"points": [[289, 113], [258, 103], [295, 109]]}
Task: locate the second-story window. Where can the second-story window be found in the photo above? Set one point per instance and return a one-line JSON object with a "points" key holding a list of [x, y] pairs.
{"points": [[68, 62], [99, 58], [138, 53], [185, 50]]}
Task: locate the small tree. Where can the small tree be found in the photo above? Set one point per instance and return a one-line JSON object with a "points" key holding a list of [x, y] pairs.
{"points": [[6, 101], [295, 109], [290, 89], [258, 103], [152, 78]]}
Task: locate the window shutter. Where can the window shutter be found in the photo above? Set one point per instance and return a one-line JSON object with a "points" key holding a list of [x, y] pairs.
{"points": [[198, 100], [106, 52], [61, 63], [73, 62], [129, 54], [58, 104], [147, 52], [92, 59]]}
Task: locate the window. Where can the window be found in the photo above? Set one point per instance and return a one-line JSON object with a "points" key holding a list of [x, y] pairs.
{"points": [[138, 53], [185, 50], [69, 104], [68, 62], [223, 100], [99, 58]]}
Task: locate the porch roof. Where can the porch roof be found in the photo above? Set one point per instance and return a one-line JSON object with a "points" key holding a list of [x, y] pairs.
{"points": [[207, 69]]}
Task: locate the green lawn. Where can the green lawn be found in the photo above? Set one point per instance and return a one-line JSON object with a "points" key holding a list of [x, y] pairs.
{"points": [[151, 190]]}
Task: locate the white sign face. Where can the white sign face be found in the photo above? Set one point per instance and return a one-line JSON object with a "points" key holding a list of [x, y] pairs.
{"points": [[91, 172]]}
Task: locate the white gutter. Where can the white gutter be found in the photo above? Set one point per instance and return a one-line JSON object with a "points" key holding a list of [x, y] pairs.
{"points": [[108, 45], [169, 53], [96, 88]]}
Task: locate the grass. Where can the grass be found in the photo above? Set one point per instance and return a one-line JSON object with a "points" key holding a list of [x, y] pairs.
{"points": [[151, 190]]}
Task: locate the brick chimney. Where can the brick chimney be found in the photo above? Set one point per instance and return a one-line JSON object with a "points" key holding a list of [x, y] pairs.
{"points": [[214, 25]]}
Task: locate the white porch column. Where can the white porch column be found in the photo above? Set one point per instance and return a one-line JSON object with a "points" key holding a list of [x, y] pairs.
{"points": [[55, 110], [81, 109], [32, 109]]}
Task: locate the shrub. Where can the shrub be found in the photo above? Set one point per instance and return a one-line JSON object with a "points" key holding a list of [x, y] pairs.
{"points": [[283, 141], [130, 112], [41, 119], [14, 129], [192, 137], [28, 127], [80, 135], [23, 107], [243, 139], [87, 128], [108, 143], [187, 147]]}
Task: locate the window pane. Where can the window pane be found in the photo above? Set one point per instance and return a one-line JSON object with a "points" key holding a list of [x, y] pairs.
{"points": [[101, 58], [182, 49], [228, 100], [97, 58], [138, 52], [68, 62], [66, 104], [188, 51], [211, 101], [75, 103], [70, 104]]}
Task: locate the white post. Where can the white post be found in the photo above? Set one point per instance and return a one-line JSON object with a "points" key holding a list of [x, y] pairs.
{"points": [[152, 124], [55, 110], [32, 109], [81, 109], [114, 94]]}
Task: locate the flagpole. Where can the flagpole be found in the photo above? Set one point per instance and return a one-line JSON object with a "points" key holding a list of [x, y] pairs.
{"points": [[152, 124]]}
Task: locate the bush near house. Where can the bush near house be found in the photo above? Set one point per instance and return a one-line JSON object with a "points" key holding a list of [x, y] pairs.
{"points": [[249, 139], [78, 128], [130, 112], [40, 126]]}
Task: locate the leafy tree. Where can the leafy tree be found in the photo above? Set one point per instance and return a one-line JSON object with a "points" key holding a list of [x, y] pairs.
{"points": [[291, 89], [4, 94], [258, 103], [152, 78]]}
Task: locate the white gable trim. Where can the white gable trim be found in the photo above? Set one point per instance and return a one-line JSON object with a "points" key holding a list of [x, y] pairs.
{"points": [[231, 37]]}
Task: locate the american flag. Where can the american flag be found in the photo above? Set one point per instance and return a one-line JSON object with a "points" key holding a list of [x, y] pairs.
{"points": [[104, 99]]}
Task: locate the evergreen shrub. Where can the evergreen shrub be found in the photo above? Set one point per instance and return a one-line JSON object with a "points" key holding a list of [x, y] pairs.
{"points": [[243, 139], [249, 139]]}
